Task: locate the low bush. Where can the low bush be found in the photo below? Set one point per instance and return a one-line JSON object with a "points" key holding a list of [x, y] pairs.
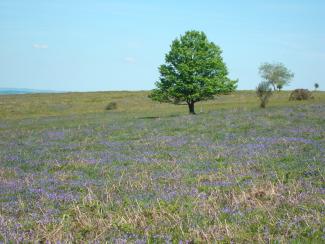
{"points": [[300, 94], [264, 92], [111, 106]]}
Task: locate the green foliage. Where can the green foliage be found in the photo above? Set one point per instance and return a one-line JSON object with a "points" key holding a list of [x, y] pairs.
{"points": [[194, 71], [264, 92], [279, 87], [316, 85], [111, 106], [276, 74]]}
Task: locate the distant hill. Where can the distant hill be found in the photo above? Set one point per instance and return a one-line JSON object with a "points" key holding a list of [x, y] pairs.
{"points": [[9, 91]]}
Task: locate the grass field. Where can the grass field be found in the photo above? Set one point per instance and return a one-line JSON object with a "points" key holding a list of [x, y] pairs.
{"points": [[150, 173]]}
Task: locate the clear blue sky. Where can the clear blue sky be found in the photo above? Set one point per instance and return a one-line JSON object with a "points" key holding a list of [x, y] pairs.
{"points": [[94, 45]]}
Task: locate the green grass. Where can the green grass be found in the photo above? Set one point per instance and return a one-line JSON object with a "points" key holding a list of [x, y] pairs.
{"points": [[135, 104], [72, 171]]}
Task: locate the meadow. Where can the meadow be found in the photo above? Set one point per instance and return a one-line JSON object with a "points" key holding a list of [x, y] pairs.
{"points": [[150, 173]]}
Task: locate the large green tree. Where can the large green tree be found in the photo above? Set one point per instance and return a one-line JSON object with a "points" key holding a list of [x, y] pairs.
{"points": [[194, 71], [276, 74]]}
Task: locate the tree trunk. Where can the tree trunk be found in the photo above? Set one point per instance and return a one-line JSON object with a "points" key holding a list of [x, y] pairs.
{"points": [[191, 107], [274, 87]]}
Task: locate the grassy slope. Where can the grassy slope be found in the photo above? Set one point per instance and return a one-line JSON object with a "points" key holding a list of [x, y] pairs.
{"points": [[69, 170], [132, 103]]}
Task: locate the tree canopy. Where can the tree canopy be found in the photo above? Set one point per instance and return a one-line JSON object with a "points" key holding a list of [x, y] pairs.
{"points": [[193, 71], [276, 74], [316, 85]]}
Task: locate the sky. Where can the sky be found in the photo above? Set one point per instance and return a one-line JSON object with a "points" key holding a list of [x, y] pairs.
{"points": [[98, 45]]}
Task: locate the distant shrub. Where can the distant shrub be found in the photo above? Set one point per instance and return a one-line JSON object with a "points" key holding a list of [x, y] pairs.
{"points": [[279, 87], [264, 92], [111, 106], [300, 94], [316, 85]]}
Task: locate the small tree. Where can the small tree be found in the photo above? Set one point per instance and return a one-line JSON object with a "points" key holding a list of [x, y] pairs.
{"points": [[316, 86], [276, 74], [194, 71], [279, 87], [264, 92]]}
